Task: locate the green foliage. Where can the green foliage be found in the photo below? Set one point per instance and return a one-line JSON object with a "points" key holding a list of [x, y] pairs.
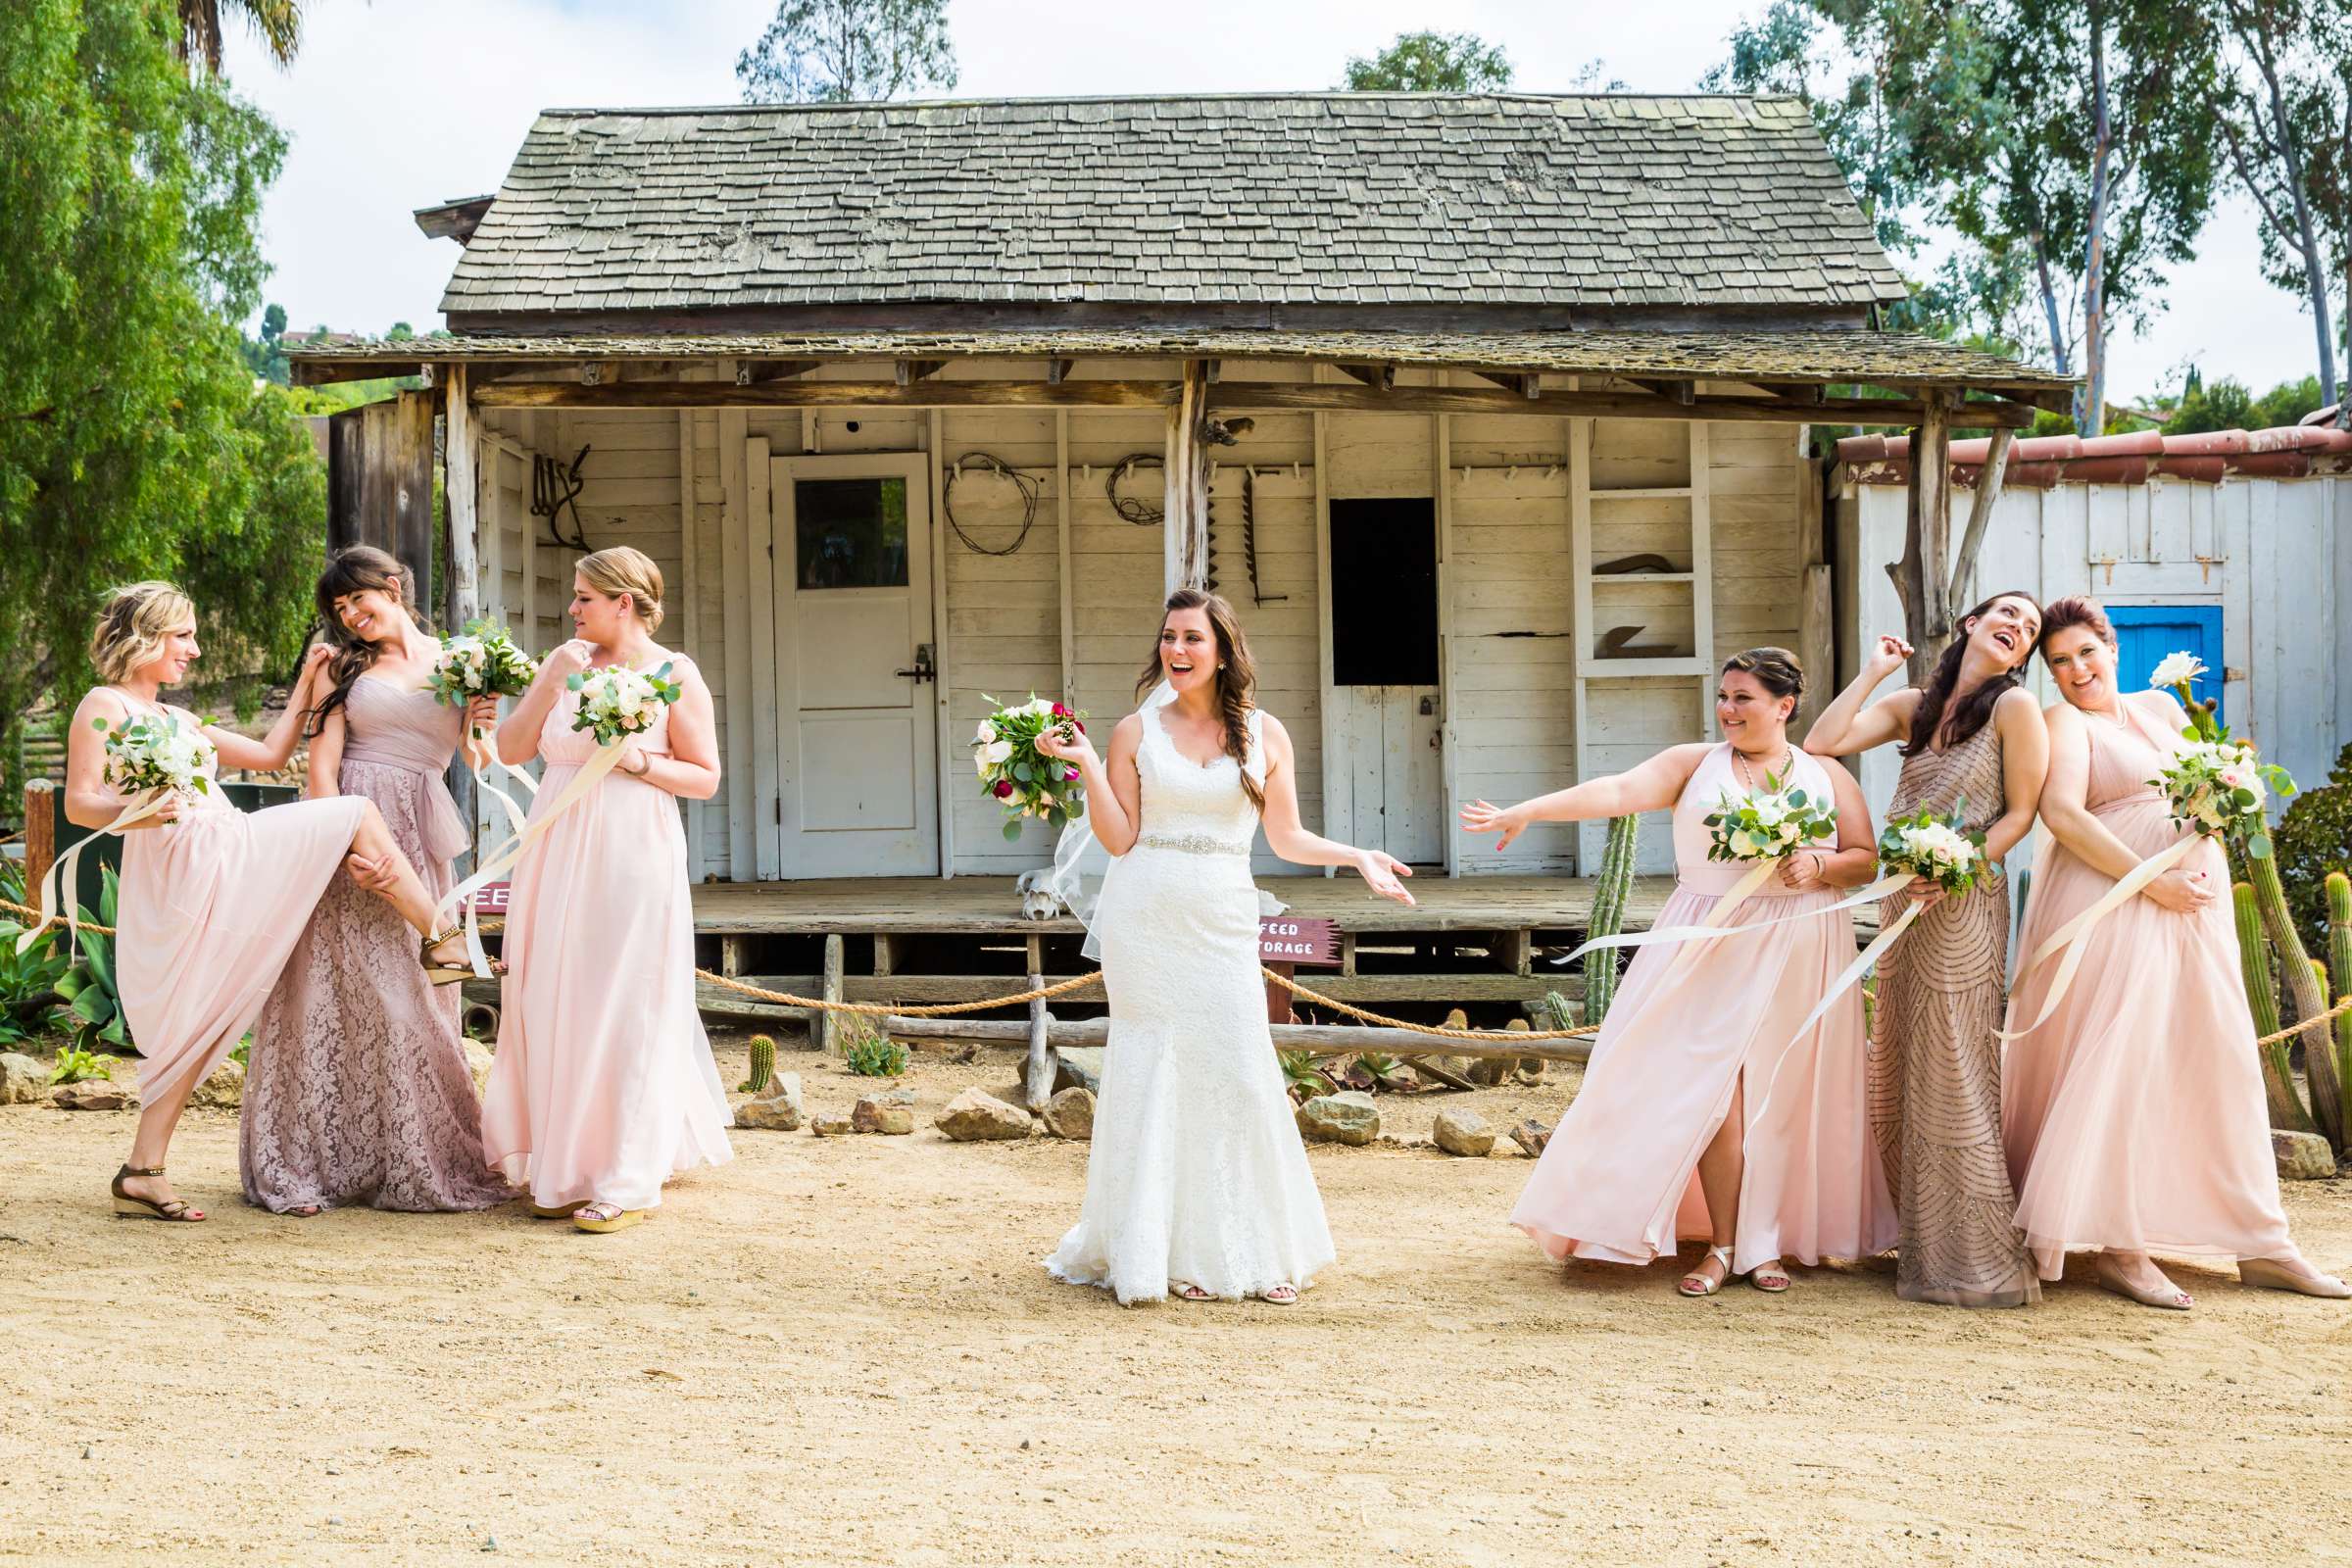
{"points": [[868, 1054], [1380, 1071], [2313, 838], [28, 981], [829, 51], [132, 442], [94, 1002], [1432, 62], [2227, 405], [1609, 893], [76, 1066], [1303, 1078]]}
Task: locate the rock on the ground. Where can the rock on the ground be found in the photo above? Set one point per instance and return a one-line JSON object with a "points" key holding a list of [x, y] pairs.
{"points": [[977, 1115], [478, 1058], [22, 1080], [1349, 1117], [94, 1094], [1071, 1114], [777, 1112], [224, 1090], [1462, 1132], [900, 1096], [2302, 1157], [1078, 1067], [878, 1113], [832, 1125], [1532, 1135]]}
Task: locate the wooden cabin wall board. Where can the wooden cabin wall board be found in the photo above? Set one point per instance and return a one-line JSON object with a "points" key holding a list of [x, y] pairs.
{"points": [[738, 789], [1017, 648], [710, 509], [766, 778], [1511, 700], [2291, 630], [688, 593]]}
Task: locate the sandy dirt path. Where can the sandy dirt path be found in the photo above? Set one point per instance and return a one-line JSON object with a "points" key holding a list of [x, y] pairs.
{"points": [[842, 1351]]}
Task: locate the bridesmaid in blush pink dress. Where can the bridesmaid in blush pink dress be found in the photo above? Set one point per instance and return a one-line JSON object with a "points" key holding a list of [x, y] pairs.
{"points": [[1702, 1113], [213, 899], [2134, 1114], [604, 1087], [356, 1090]]}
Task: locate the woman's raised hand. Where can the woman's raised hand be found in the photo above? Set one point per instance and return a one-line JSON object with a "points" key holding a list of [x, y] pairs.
{"points": [[1890, 654], [314, 668], [569, 658], [1380, 872], [1067, 742], [1509, 822], [2183, 891]]}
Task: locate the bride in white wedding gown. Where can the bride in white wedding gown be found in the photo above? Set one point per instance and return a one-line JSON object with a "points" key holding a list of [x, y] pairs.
{"points": [[1197, 1184]]}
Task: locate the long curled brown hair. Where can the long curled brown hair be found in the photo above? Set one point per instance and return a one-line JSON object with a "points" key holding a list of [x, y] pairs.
{"points": [[1236, 676], [1976, 709], [352, 570]]}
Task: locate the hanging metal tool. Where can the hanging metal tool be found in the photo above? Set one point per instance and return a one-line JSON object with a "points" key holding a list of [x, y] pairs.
{"points": [[555, 487]]}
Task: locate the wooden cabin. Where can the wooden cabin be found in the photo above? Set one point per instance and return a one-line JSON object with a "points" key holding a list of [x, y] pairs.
{"points": [[1488, 413]]}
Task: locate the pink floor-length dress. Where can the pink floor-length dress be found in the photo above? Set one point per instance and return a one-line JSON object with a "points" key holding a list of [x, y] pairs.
{"points": [[604, 1085], [208, 910], [356, 1090], [1619, 1180], [2135, 1116]]}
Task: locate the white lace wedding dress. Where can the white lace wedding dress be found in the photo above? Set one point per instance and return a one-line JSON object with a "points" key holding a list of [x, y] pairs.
{"points": [[1197, 1174]]}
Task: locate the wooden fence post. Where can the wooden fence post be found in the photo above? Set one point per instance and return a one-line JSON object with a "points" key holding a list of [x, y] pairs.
{"points": [[40, 839]]}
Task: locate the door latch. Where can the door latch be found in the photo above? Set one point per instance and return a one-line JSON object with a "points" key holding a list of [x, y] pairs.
{"points": [[924, 670]]}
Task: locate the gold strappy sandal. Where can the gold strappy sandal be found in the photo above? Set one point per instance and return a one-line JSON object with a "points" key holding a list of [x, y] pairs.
{"points": [[127, 1207], [438, 973]]}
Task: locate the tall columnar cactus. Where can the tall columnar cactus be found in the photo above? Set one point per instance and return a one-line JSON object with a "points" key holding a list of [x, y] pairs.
{"points": [[1609, 893], [2339, 961], [2261, 995], [764, 1065], [2304, 990]]}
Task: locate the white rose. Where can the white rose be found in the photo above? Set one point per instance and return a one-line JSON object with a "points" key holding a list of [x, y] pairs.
{"points": [[998, 752], [1042, 706], [2174, 668], [1743, 845], [987, 734]]}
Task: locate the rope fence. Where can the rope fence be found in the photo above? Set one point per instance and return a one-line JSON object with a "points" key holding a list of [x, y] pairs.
{"points": [[948, 1009]]}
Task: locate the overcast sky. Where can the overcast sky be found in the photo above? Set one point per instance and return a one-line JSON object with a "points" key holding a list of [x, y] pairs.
{"points": [[403, 103]]}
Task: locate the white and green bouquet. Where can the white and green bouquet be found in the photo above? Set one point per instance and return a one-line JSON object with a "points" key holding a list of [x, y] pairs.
{"points": [[153, 754], [2217, 786], [616, 702], [1769, 826], [1936, 848], [482, 660], [1013, 771]]}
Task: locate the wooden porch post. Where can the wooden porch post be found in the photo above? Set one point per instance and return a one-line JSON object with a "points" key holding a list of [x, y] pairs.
{"points": [[1919, 576], [462, 600], [1184, 529]]}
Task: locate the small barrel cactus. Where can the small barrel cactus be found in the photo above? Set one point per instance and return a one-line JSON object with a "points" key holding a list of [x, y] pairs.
{"points": [[764, 1065]]}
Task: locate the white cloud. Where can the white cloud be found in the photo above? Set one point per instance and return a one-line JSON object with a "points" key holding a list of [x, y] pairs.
{"points": [[402, 104]]}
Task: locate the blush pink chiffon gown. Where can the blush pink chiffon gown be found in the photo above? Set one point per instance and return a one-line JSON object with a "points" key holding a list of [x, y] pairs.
{"points": [[2135, 1116], [604, 1087], [209, 909], [1619, 1180]]}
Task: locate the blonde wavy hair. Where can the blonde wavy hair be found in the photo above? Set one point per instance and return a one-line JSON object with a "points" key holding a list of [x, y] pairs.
{"points": [[132, 625], [624, 570]]}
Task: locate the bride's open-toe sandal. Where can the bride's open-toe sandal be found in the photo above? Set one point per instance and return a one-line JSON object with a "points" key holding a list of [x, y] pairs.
{"points": [[129, 1207], [1697, 1283], [440, 971], [1770, 1278], [1279, 1295], [1186, 1290], [601, 1217]]}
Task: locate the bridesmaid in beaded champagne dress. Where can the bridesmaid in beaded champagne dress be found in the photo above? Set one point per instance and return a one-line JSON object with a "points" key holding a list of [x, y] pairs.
{"points": [[2134, 1113], [602, 1087], [358, 1091], [1936, 1059], [213, 899]]}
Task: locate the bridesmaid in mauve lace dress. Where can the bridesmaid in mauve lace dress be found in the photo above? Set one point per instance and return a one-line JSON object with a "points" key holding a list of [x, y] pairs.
{"points": [[1972, 740], [358, 1092]]}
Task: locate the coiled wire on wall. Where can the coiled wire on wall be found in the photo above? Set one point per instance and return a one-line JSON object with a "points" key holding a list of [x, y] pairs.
{"points": [[1028, 487]]}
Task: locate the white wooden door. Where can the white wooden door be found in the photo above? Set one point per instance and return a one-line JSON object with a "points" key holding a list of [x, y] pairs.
{"points": [[857, 730], [1394, 769], [1385, 711]]}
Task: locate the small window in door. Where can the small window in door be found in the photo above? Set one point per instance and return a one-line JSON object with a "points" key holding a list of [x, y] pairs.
{"points": [[850, 533], [1384, 592]]}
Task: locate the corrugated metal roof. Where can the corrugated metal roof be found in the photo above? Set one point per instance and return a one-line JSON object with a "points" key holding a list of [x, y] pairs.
{"points": [[1796, 357], [1366, 199]]}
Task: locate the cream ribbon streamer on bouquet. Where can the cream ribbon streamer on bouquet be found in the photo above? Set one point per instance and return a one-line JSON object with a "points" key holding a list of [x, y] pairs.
{"points": [[483, 754], [504, 858], [2071, 935], [61, 874], [1713, 925]]}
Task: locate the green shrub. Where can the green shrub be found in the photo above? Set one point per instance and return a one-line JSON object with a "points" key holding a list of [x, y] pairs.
{"points": [[870, 1055], [73, 1066], [99, 1022], [2313, 838]]}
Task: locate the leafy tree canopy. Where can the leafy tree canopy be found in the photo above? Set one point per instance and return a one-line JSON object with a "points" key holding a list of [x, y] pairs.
{"points": [[1432, 62], [831, 51]]}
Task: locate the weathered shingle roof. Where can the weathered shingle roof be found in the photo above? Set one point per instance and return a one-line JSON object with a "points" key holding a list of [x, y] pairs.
{"points": [[1355, 199]]}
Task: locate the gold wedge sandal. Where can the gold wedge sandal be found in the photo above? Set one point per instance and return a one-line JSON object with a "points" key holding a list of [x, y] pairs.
{"points": [[435, 970], [600, 1219], [174, 1209]]}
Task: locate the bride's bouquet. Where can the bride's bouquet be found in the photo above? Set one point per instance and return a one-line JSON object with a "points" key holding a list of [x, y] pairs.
{"points": [[480, 662], [1933, 849], [153, 755], [1011, 768], [1768, 826], [616, 702]]}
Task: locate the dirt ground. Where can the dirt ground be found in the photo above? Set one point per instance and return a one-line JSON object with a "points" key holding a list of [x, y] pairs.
{"points": [[842, 1351]]}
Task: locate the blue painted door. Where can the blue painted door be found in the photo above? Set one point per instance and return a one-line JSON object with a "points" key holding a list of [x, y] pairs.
{"points": [[2145, 633]]}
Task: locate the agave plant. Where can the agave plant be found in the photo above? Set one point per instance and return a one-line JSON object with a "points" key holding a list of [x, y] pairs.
{"points": [[99, 1022], [1380, 1071], [1303, 1078]]}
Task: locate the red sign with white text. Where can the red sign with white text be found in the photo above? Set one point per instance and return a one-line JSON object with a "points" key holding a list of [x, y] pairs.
{"points": [[490, 898], [1286, 939]]}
